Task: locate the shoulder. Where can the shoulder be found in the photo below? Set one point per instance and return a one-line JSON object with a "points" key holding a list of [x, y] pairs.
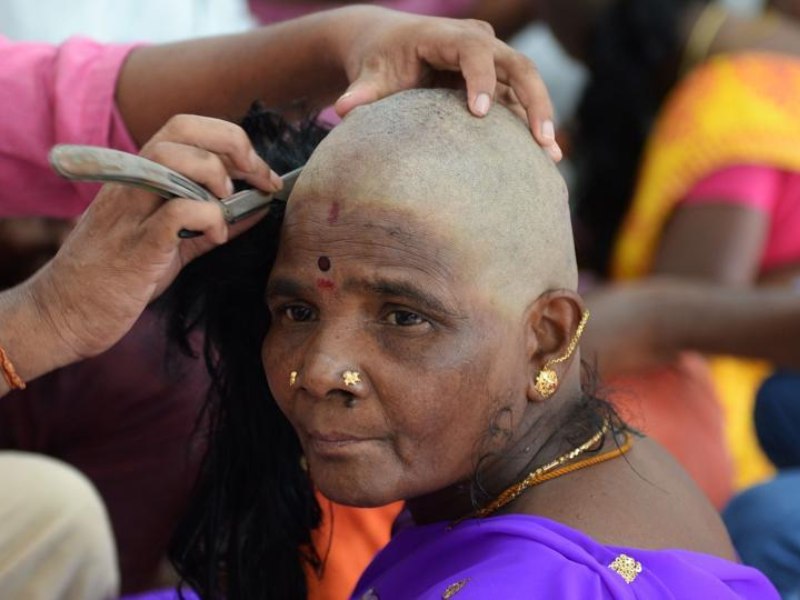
{"points": [[645, 501], [725, 100], [756, 74]]}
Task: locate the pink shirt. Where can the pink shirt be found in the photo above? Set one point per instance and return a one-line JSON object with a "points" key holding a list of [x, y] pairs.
{"points": [[767, 189], [50, 95]]}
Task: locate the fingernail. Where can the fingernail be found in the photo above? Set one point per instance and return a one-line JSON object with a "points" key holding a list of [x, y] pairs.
{"points": [[482, 104], [229, 186], [345, 95], [555, 152], [275, 178], [548, 130]]}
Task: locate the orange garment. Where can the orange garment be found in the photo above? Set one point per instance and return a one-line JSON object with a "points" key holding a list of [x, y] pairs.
{"points": [[347, 541], [734, 109]]}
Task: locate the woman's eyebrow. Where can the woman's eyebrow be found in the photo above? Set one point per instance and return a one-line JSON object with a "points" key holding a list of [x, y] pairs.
{"points": [[399, 289], [284, 286]]}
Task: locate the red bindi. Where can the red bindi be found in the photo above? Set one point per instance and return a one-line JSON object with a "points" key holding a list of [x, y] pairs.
{"points": [[325, 284], [324, 263]]}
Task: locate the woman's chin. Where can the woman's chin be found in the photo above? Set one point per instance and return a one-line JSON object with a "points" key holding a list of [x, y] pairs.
{"points": [[366, 496]]}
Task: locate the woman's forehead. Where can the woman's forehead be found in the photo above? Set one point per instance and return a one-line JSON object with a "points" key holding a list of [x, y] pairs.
{"points": [[325, 231]]}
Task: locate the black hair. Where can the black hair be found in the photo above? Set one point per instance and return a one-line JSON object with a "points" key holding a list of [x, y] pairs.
{"points": [[247, 531], [633, 58]]}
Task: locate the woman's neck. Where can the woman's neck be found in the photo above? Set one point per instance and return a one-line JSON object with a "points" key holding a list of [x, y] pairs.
{"points": [[541, 440]]}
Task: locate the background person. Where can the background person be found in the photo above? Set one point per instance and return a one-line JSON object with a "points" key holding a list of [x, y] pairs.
{"points": [[672, 216]]}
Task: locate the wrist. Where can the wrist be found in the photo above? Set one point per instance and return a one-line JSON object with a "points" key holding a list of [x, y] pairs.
{"points": [[29, 336], [340, 39], [672, 315], [60, 319]]}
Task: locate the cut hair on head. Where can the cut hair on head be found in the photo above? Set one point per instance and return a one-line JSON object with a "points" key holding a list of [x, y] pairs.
{"points": [[484, 181]]}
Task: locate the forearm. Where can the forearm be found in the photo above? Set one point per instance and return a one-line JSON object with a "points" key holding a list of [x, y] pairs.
{"points": [[760, 323], [29, 337], [221, 77]]}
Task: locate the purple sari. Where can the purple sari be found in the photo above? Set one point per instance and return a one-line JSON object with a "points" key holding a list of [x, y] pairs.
{"points": [[524, 556]]}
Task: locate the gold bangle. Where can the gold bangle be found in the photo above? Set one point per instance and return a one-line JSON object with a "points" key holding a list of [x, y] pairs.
{"points": [[13, 380], [704, 32]]}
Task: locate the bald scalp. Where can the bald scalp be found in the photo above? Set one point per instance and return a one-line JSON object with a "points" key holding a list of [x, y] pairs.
{"points": [[484, 184]]}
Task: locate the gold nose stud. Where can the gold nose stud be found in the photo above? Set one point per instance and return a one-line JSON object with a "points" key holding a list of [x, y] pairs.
{"points": [[292, 378], [350, 378]]}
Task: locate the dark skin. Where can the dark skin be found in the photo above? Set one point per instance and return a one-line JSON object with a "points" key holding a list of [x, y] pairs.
{"points": [[643, 501], [505, 16], [412, 313], [54, 318], [377, 52], [720, 241], [648, 322], [715, 242], [402, 322]]}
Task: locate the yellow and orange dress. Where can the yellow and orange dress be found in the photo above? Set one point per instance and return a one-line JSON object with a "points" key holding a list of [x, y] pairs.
{"points": [[734, 110]]}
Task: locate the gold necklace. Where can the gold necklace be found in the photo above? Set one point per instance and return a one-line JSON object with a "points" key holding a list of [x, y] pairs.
{"points": [[551, 470]]}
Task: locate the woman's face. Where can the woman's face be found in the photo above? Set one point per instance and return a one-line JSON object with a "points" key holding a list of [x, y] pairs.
{"points": [[441, 364]]}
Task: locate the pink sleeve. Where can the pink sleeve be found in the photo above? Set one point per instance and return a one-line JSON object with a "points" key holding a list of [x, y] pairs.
{"points": [[745, 185], [50, 95]]}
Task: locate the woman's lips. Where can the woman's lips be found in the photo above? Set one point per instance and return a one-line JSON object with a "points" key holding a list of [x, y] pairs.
{"points": [[335, 442]]}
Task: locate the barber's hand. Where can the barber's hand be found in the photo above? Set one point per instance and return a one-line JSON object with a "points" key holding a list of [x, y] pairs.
{"points": [[385, 52], [629, 328], [125, 249]]}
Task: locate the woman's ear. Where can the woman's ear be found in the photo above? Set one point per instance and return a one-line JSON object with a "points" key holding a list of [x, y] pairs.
{"points": [[552, 322]]}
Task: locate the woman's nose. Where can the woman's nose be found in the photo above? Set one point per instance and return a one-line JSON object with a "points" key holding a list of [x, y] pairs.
{"points": [[331, 366]]}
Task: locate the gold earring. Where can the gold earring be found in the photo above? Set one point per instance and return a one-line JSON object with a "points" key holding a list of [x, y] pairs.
{"points": [[292, 378], [547, 379], [350, 378]]}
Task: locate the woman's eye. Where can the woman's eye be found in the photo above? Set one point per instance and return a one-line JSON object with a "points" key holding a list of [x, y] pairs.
{"points": [[299, 313], [405, 318]]}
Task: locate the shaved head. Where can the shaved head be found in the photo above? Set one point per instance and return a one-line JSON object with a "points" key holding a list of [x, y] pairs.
{"points": [[483, 184], [430, 252]]}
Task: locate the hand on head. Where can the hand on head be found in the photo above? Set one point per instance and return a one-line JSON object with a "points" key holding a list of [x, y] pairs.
{"points": [[375, 51], [399, 51], [125, 249]]}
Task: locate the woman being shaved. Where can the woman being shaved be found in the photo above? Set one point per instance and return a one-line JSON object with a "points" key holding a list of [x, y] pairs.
{"points": [[414, 336]]}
